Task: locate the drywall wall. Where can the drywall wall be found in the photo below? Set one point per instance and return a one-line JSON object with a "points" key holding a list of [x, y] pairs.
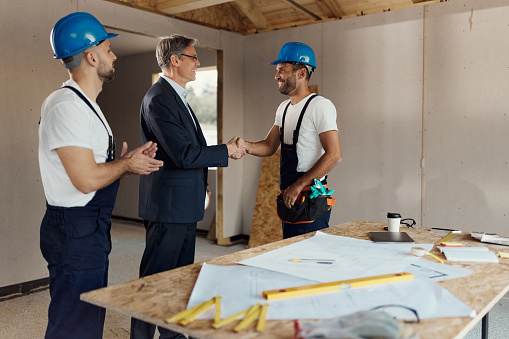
{"points": [[30, 74], [371, 69], [120, 101], [466, 116]]}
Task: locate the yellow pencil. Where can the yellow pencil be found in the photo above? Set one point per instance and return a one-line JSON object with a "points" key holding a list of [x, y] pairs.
{"points": [[203, 307], [251, 316], [226, 321], [261, 321], [336, 285]]}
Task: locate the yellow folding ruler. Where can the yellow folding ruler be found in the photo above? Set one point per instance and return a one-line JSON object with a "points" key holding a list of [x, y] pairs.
{"points": [[189, 315], [250, 314]]}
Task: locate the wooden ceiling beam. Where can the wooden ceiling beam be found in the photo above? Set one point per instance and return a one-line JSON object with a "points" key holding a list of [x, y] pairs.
{"points": [[333, 6], [302, 9], [250, 9], [180, 6], [327, 12], [257, 16]]}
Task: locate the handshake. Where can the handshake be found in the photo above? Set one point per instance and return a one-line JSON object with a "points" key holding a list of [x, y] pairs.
{"points": [[237, 148]]}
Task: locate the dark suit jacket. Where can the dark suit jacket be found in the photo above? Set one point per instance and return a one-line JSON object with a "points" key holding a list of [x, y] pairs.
{"points": [[175, 193]]}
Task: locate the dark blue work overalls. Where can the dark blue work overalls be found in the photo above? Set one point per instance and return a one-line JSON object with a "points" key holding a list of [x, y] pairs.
{"points": [[76, 242], [289, 174]]}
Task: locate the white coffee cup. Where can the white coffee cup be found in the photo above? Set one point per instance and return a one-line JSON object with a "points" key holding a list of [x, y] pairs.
{"points": [[394, 220]]}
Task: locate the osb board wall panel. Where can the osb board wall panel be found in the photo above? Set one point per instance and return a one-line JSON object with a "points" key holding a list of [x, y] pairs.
{"points": [[266, 226]]}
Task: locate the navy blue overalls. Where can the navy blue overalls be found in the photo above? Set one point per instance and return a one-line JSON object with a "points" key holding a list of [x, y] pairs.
{"points": [[289, 174], [76, 242]]}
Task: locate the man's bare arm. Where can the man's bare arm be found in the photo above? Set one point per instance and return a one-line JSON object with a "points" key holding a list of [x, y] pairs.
{"points": [[265, 147], [88, 176]]}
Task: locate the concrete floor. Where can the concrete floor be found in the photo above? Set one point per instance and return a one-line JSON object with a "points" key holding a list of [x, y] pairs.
{"points": [[25, 317]]}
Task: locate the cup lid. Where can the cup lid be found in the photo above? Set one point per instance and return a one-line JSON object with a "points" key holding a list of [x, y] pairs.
{"points": [[393, 215]]}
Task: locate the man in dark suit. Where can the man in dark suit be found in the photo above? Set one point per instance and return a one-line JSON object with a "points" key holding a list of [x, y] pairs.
{"points": [[173, 200]]}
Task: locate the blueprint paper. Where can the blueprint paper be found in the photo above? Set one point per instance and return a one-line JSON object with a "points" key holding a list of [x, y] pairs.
{"points": [[436, 271], [354, 258], [241, 287]]}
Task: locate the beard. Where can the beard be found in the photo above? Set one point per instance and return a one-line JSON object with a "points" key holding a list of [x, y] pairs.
{"points": [[105, 73], [288, 85]]}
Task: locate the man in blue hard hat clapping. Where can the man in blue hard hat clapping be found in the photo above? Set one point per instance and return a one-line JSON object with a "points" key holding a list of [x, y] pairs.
{"points": [[80, 177], [306, 129]]}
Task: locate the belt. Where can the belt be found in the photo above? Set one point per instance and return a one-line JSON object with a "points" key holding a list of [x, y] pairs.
{"points": [[307, 188]]}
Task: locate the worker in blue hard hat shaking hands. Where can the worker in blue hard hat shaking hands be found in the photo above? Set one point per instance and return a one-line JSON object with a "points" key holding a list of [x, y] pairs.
{"points": [[80, 176], [306, 128]]}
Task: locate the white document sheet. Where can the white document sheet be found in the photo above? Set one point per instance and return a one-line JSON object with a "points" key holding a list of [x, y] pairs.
{"points": [[476, 254], [436, 271], [353, 258], [241, 287]]}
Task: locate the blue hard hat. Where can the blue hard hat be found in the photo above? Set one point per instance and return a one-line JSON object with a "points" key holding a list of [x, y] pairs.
{"points": [[296, 52], [75, 33]]}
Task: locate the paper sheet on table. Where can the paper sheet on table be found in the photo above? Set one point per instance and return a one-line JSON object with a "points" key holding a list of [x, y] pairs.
{"points": [[354, 258], [435, 271], [476, 254], [241, 287]]}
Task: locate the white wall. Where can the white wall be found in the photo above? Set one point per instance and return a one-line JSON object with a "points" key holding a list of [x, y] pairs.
{"points": [[373, 72], [29, 74], [120, 101], [467, 116], [392, 76]]}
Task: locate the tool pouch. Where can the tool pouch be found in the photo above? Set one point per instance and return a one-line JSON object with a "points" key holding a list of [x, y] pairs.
{"points": [[305, 210]]}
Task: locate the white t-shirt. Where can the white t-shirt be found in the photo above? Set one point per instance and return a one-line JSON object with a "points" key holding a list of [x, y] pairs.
{"points": [[320, 117], [66, 120]]}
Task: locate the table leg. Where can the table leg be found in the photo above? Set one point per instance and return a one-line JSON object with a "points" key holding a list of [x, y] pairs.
{"points": [[484, 327]]}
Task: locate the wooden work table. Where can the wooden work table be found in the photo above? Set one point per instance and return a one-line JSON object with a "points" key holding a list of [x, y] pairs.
{"points": [[156, 297]]}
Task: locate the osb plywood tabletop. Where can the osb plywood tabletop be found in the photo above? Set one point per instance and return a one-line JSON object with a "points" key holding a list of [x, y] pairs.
{"points": [[156, 297]]}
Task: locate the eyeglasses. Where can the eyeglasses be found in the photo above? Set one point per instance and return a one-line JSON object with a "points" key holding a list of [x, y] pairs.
{"points": [[195, 58]]}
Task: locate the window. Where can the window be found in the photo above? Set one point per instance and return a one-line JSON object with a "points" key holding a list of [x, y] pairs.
{"points": [[202, 97]]}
